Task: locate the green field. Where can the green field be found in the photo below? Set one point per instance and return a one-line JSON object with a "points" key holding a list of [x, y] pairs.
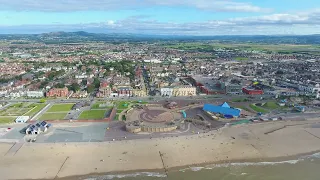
{"points": [[271, 105], [52, 116], [244, 108], [6, 120], [122, 105], [142, 102], [60, 108], [96, 106], [241, 58], [35, 110], [93, 114], [281, 48], [258, 109], [120, 111]]}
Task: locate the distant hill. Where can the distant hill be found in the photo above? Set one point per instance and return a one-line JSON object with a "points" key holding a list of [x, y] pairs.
{"points": [[82, 36]]}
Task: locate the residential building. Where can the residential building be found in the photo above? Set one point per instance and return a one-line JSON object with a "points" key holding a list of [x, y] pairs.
{"points": [[252, 91], [184, 91], [80, 94], [231, 88], [166, 91], [104, 90], [57, 92], [139, 93], [35, 94], [125, 91]]}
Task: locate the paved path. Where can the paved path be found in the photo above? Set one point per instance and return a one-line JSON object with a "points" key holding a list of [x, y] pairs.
{"points": [[5, 106], [41, 112]]}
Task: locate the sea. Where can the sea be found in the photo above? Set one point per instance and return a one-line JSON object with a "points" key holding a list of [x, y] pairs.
{"points": [[301, 168]]}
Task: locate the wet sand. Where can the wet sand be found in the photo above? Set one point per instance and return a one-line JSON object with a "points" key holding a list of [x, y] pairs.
{"points": [[252, 142]]}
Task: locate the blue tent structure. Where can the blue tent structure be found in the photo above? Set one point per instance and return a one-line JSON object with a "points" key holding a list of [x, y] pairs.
{"points": [[222, 110], [225, 104]]}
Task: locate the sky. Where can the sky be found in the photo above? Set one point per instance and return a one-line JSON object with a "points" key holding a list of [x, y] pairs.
{"points": [[162, 17]]}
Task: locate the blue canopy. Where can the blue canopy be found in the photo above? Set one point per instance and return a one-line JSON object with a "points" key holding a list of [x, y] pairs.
{"points": [[221, 110], [225, 104]]}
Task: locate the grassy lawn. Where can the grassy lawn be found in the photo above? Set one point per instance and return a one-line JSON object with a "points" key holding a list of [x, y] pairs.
{"points": [[60, 108], [17, 109], [119, 110], [52, 116], [6, 120], [258, 109], [142, 102], [122, 105], [244, 108], [271, 105], [35, 110], [96, 106], [92, 114], [241, 58]]}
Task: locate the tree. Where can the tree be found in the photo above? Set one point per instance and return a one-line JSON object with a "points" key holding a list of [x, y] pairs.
{"points": [[74, 87], [96, 82], [59, 85], [84, 82], [90, 88]]}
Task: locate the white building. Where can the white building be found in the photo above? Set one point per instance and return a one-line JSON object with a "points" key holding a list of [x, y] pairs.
{"points": [[22, 119], [35, 94], [81, 76], [3, 93], [166, 91]]}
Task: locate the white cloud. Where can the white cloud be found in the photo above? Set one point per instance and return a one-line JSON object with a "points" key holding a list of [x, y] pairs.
{"points": [[80, 5], [297, 23], [110, 22]]}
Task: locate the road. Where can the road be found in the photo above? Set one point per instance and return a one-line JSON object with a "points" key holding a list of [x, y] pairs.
{"points": [[148, 99]]}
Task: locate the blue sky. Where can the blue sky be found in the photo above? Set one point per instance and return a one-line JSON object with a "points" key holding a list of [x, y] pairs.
{"points": [[190, 17]]}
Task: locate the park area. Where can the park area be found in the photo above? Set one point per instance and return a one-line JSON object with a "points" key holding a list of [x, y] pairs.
{"points": [[9, 114], [102, 105], [61, 108], [52, 116], [56, 112], [258, 109], [92, 114], [22, 109], [271, 105], [7, 119]]}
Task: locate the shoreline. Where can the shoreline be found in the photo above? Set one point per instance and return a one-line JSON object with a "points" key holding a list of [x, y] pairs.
{"points": [[236, 144], [180, 168]]}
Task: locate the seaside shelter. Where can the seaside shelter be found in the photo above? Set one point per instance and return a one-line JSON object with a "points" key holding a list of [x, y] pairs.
{"points": [[222, 109], [22, 119]]}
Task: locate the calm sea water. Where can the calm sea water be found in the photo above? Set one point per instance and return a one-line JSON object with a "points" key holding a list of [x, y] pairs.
{"points": [[303, 168]]}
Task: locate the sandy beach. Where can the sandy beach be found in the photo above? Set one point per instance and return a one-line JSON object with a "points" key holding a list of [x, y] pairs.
{"points": [[254, 141]]}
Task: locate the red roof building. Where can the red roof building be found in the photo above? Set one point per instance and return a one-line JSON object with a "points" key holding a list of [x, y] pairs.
{"points": [[58, 92], [252, 91]]}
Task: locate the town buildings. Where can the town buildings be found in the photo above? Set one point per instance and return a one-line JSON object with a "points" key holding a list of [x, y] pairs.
{"points": [[252, 91], [58, 92], [184, 91]]}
